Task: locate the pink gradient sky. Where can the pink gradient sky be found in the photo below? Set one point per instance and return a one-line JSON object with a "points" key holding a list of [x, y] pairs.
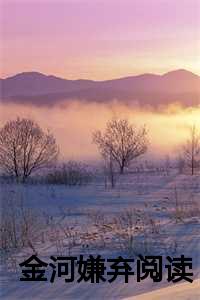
{"points": [[99, 39]]}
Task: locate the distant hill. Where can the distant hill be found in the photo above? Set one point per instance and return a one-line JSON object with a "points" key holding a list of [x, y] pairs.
{"points": [[147, 89]]}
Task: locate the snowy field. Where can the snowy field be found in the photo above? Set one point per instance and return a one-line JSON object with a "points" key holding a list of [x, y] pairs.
{"points": [[180, 292], [146, 214]]}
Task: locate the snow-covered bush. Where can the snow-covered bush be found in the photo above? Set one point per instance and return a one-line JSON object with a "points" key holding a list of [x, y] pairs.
{"points": [[72, 173]]}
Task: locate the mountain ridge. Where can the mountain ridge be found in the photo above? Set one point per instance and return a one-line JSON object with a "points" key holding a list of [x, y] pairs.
{"points": [[152, 89]]}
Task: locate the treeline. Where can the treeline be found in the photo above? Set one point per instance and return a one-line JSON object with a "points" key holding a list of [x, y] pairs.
{"points": [[26, 149]]}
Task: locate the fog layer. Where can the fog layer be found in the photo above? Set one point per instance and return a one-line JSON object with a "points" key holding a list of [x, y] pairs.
{"points": [[73, 124]]}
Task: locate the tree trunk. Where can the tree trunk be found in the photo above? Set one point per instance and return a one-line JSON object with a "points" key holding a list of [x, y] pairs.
{"points": [[122, 169], [24, 178], [192, 166]]}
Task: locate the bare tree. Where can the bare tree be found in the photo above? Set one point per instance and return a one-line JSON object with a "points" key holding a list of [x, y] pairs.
{"points": [[109, 171], [191, 150], [167, 165], [25, 148], [122, 141], [180, 162]]}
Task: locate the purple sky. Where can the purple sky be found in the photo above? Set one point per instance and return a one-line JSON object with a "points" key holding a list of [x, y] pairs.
{"points": [[99, 39]]}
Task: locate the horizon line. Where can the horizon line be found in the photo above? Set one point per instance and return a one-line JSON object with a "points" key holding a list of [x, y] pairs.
{"points": [[115, 78]]}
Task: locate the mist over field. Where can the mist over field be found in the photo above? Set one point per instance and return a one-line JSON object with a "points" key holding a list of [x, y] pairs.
{"points": [[73, 122]]}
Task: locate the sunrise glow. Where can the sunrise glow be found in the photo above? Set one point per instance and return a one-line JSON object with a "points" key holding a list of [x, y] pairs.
{"points": [[99, 39]]}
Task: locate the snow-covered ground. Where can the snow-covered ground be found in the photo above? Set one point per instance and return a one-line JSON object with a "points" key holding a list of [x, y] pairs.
{"points": [[88, 220], [179, 292]]}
